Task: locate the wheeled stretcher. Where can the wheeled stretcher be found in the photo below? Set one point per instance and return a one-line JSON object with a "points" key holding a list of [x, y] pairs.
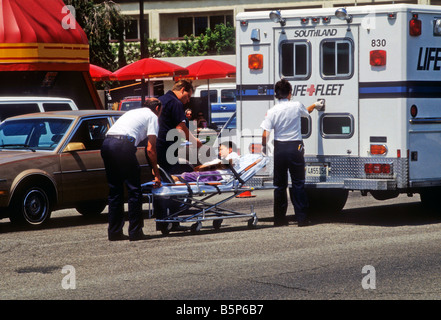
{"points": [[176, 203]]}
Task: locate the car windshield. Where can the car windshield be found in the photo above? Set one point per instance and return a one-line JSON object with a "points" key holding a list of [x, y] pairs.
{"points": [[32, 134], [130, 105]]}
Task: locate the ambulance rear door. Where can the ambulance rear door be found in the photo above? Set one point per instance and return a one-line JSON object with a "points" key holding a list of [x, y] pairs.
{"points": [[321, 62]]}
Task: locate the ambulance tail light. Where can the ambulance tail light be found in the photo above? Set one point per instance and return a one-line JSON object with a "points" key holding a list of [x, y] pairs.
{"points": [[378, 149], [415, 26], [377, 58], [377, 168], [255, 61]]}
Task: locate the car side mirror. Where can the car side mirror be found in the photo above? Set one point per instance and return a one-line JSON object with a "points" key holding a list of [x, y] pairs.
{"points": [[74, 146]]}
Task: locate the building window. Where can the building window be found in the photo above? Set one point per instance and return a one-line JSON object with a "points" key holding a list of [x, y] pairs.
{"points": [[198, 25], [185, 26], [132, 30]]}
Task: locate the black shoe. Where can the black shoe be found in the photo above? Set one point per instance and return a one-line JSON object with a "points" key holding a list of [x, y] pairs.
{"points": [[118, 237], [304, 223], [281, 223], [139, 236]]}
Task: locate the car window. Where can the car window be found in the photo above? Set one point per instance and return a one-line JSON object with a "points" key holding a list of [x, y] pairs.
{"points": [[56, 106], [91, 133], [228, 95], [130, 105], [213, 95], [34, 134], [8, 110]]}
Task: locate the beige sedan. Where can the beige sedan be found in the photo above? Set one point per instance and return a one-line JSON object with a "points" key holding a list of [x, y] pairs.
{"points": [[52, 160]]}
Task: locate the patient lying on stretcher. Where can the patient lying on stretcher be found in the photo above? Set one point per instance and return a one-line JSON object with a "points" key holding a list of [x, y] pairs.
{"points": [[214, 170]]}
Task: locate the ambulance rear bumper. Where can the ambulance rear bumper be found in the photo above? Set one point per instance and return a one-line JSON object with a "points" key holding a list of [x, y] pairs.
{"points": [[334, 172]]}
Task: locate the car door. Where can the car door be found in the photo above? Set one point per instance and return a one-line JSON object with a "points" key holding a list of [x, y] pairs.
{"points": [[83, 173]]}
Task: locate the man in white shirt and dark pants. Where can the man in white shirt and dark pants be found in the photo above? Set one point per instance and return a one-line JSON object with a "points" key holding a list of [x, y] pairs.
{"points": [[122, 167], [285, 119]]}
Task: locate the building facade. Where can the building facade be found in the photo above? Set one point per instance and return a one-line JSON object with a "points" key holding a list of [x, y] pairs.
{"points": [[171, 20]]}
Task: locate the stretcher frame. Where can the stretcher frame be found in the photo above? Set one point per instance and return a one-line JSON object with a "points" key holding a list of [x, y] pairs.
{"points": [[195, 196]]}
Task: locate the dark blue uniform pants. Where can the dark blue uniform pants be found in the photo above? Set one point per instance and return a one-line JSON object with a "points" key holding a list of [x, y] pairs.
{"points": [[122, 167], [288, 157]]}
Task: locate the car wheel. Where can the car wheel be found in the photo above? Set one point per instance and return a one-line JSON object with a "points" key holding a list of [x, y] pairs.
{"points": [[31, 205], [91, 208]]}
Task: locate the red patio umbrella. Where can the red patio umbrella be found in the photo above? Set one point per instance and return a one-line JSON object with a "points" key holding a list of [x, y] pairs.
{"points": [[210, 69], [99, 74], [149, 68]]}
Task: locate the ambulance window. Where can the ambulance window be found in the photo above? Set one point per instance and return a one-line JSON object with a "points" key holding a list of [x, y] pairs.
{"points": [[336, 58], [294, 60], [305, 126], [337, 125]]}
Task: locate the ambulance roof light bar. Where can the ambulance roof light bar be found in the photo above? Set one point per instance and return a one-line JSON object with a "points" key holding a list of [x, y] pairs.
{"points": [[276, 17], [342, 14]]}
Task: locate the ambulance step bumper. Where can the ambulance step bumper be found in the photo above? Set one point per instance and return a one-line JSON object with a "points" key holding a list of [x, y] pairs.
{"points": [[357, 184]]}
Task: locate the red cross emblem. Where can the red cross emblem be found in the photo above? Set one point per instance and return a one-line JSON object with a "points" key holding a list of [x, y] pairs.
{"points": [[311, 90]]}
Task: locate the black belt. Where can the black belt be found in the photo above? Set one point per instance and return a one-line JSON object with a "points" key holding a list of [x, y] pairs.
{"points": [[121, 137]]}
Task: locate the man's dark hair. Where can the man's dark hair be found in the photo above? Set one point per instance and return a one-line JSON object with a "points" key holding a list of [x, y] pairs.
{"points": [[152, 103], [282, 89]]}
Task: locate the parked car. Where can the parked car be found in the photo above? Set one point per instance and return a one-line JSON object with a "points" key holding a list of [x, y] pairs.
{"points": [[51, 161], [222, 102], [129, 103], [14, 106]]}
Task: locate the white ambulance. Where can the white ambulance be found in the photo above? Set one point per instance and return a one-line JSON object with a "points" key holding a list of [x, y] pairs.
{"points": [[378, 69]]}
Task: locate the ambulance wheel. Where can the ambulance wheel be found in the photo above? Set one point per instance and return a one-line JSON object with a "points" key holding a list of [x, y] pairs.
{"points": [[196, 227], [217, 224], [430, 197], [252, 223], [326, 201]]}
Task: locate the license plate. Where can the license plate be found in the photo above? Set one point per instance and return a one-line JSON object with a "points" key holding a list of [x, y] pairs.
{"points": [[317, 170]]}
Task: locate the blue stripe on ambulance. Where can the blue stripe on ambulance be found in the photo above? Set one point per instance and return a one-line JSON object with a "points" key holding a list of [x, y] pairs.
{"points": [[400, 89]]}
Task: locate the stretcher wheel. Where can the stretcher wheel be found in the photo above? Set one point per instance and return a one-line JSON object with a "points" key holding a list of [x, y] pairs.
{"points": [[196, 227], [165, 228], [252, 223], [217, 224]]}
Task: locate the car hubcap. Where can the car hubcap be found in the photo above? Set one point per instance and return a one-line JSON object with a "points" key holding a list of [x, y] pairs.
{"points": [[35, 206]]}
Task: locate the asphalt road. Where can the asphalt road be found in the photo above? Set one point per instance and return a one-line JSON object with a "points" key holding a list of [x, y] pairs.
{"points": [[371, 251]]}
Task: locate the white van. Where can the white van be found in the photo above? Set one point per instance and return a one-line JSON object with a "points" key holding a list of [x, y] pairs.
{"points": [[13, 106], [223, 101]]}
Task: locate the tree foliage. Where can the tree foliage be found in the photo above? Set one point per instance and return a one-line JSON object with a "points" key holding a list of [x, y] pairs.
{"points": [[103, 21], [220, 40]]}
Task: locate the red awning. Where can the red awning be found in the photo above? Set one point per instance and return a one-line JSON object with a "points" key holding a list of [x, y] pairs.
{"points": [[41, 35]]}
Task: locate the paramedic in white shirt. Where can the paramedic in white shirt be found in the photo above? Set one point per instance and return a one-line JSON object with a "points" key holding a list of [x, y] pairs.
{"points": [[122, 167], [285, 119]]}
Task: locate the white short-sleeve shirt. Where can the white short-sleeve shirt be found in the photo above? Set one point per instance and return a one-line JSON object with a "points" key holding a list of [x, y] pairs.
{"points": [[137, 123], [285, 119]]}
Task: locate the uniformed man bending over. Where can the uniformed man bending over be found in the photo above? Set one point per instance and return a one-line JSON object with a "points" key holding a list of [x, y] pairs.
{"points": [[122, 167]]}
